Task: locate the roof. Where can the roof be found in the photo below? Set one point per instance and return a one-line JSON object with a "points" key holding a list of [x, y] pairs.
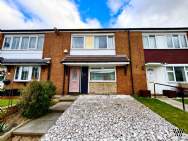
{"points": [[93, 59], [24, 61], [95, 29]]}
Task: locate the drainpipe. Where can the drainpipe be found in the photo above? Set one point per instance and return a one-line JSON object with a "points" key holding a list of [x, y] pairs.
{"points": [[131, 66]]}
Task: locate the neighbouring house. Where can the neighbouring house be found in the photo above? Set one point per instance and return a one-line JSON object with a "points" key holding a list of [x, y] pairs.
{"points": [[101, 61]]}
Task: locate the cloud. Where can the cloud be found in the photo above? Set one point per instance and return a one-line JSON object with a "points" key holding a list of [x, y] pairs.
{"points": [[117, 5], [149, 13], [43, 14]]}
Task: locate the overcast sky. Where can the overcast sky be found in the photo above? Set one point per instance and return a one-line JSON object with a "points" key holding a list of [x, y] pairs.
{"points": [[22, 14]]}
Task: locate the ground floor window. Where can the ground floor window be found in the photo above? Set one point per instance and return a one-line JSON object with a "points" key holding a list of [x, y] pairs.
{"points": [[27, 73], [102, 74], [177, 73]]}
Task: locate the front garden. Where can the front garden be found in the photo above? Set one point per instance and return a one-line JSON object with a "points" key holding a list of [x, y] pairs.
{"points": [[34, 102], [175, 116]]}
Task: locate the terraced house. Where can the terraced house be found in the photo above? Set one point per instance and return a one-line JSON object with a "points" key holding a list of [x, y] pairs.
{"points": [[105, 61]]}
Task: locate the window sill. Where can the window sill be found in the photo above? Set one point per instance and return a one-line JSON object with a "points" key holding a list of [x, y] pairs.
{"points": [[102, 81], [92, 48], [22, 81]]}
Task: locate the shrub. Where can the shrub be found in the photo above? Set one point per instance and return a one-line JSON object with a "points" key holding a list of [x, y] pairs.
{"points": [[36, 98]]}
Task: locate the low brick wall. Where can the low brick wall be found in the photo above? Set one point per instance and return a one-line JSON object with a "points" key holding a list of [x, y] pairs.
{"points": [[103, 87]]}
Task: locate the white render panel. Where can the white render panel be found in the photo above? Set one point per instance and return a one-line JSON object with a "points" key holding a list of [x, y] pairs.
{"points": [[158, 75], [92, 52], [12, 54]]}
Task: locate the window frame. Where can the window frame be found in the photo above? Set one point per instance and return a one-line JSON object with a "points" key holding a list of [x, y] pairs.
{"points": [[93, 43], [91, 69], [29, 73], [166, 35], [173, 66], [20, 42]]}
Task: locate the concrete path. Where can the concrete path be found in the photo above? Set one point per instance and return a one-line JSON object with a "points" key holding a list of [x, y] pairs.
{"points": [[173, 103], [38, 126], [60, 107], [113, 117]]}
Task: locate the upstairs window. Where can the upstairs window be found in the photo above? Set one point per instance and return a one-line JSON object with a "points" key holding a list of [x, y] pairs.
{"points": [[27, 73], [165, 41], [23, 42], [95, 41], [100, 42], [7, 43], [78, 42]]}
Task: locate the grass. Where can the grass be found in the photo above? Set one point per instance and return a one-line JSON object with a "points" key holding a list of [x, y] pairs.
{"points": [[175, 116], [5, 102], [180, 100]]}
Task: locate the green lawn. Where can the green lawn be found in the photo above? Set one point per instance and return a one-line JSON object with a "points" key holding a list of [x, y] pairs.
{"points": [[180, 100], [175, 116], [5, 102]]}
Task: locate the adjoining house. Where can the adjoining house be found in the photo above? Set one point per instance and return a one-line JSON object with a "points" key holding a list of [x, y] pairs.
{"points": [[101, 61]]}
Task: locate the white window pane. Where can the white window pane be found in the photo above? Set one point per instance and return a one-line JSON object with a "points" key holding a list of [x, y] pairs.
{"points": [[146, 42], [171, 76], [40, 42], [25, 43], [102, 75], [25, 73], [169, 68], [7, 42], [78, 42], [110, 41], [161, 41], [15, 42], [169, 42], [152, 42], [180, 74], [183, 40], [176, 41], [17, 73], [35, 73], [32, 43], [186, 68], [100, 42]]}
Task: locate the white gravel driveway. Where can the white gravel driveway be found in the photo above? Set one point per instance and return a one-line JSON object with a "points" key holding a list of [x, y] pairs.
{"points": [[114, 117]]}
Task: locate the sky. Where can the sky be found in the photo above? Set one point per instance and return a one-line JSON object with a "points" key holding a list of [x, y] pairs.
{"points": [[41, 14]]}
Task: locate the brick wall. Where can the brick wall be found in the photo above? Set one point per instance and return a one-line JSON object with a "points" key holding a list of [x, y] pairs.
{"points": [[103, 87], [1, 39], [124, 84], [122, 73], [54, 48], [138, 62]]}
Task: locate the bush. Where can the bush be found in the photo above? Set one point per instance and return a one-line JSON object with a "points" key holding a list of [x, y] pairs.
{"points": [[36, 98]]}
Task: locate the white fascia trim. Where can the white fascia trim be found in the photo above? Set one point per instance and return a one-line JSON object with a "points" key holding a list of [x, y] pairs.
{"points": [[153, 64], [105, 63]]}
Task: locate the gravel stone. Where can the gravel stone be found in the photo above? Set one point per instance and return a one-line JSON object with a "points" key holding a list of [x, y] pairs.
{"points": [[109, 118]]}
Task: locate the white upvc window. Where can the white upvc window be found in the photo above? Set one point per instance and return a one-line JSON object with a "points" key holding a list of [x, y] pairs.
{"points": [[23, 42], [27, 73], [102, 74], [100, 41], [165, 41], [177, 73]]}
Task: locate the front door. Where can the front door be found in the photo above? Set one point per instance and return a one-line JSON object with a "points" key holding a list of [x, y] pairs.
{"points": [[74, 82], [84, 80]]}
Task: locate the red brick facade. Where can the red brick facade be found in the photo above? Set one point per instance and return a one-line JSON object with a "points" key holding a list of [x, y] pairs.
{"points": [[55, 44]]}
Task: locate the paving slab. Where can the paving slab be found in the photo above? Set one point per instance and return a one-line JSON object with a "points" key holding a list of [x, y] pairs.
{"points": [[113, 117], [38, 126], [173, 103], [61, 106], [68, 98]]}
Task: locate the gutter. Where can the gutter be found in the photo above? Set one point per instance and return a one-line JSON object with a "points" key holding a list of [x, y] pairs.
{"points": [[131, 66]]}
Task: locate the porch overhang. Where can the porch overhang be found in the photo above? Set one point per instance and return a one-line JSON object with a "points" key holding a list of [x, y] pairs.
{"points": [[95, 61], [8, 62]]}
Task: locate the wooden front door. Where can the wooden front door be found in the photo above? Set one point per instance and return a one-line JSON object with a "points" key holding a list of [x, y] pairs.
{"points": [[74, 83]]}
